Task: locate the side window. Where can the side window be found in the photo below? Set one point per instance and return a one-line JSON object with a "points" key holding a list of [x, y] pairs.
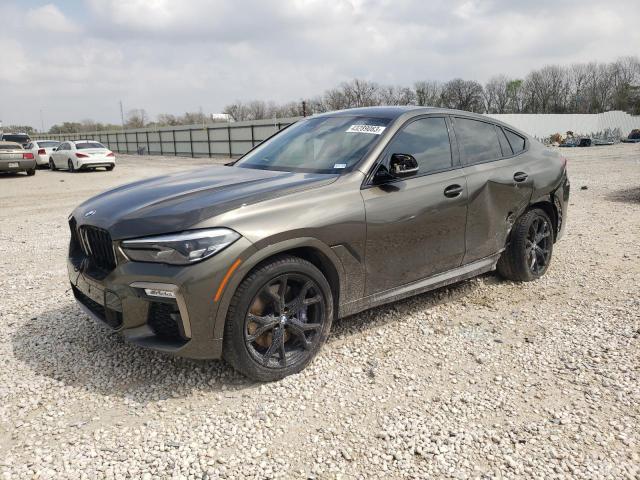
{"points": [[427, 139], [478, 141], [516, 141], [504, 143], [64, 146]]}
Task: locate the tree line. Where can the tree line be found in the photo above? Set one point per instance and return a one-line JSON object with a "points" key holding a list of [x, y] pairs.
{"points": [[579, 88]]}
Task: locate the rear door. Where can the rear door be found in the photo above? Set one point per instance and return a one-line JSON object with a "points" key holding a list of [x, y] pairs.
{"points": [[498, 182], [415, 226]]}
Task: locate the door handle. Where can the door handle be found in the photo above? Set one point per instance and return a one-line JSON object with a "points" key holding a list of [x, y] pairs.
{"points": [[520, 176], [452, 190]]}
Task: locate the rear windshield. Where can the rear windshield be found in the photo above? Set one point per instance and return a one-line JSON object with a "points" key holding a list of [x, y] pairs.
{"points": [[84, 145], [10, 147], [16, 138], [48, 144]]}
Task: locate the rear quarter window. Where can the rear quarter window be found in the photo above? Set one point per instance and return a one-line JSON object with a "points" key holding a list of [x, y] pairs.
{"points": [[517, 142]]}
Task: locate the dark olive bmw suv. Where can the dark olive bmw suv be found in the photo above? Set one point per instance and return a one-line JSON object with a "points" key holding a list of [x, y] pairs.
{"points": [[336, 214]]}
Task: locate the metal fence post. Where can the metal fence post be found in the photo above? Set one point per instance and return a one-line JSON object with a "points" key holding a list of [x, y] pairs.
{"points": [[208, 142], [191, 144], [160, 142], [175, 150], [252, 137], [229, 139], [146, 134]]}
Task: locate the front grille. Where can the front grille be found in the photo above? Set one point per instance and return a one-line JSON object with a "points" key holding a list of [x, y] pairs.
{"points": [[165, 321], [96, 244]]}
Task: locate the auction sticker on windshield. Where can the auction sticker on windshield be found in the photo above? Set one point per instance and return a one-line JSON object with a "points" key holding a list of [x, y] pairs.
{"points": [[374, 129]]}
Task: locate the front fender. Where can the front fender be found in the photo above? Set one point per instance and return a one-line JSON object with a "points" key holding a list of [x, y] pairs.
{"points": [[255, 257]]}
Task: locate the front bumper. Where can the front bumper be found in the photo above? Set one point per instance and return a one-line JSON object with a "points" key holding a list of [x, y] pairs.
{"points": [[183, 325]]}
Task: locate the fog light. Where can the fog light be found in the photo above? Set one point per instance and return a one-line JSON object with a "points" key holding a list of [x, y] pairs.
{"points": [[155, 292]]}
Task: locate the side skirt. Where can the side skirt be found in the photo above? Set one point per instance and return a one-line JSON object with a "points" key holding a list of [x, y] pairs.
{"points": [[420, 286]]}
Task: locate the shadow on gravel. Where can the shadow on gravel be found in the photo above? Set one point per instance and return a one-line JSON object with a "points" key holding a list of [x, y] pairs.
{"points": [[629, 195], [68, 347]]}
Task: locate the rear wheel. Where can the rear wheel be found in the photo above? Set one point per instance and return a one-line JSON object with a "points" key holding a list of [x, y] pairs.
{"points": [[31, 172], [528, 255], [278, 319], [70, 166], [110, 167], [52, 164]]}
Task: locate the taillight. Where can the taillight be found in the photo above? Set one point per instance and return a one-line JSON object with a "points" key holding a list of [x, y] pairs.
{"points": [[42, 151], [27, 156], [82, 155], [110, 154]]}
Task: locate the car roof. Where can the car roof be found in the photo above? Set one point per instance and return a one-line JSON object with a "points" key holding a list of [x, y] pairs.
{"points": [[84, 141], [393, 112]]}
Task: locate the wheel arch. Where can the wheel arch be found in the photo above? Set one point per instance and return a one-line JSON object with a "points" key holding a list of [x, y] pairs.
{"points": [[310, 249], [547, 205]]}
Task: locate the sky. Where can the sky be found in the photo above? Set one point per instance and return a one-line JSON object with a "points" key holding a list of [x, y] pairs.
{"points": [[68, 60]]}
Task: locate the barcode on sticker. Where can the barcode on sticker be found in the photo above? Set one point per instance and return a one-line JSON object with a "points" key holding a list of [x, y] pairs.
{"points": [[374, 129]]}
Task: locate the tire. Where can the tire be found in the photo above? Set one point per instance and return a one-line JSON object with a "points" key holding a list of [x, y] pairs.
{"points": [[528, 254], [256, 307], [52, 164], [70, 166], [31, 172], [110, 168]]}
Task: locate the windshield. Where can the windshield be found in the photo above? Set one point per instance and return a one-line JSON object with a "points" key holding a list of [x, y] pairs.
{"points": [[48, 144], [16, 138], [84, 145], [318, 145]]}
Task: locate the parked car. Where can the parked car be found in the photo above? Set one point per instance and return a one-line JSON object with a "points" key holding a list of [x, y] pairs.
{"points": [[75, 155], [336, 214], [41, 150], [13, 158], [21, 138]]}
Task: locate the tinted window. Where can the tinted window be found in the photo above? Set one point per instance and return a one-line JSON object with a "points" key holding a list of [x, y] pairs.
{"points": [[427, 140], [64, 146], [504, 143], [84, 145], [16, 138], [516, 141], [478, 141]]}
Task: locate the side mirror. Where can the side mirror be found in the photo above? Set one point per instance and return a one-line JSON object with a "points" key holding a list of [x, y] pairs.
{"points": [[403, 165]]}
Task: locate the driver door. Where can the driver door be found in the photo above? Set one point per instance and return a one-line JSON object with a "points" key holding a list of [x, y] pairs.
{"points": [[416, 225]]}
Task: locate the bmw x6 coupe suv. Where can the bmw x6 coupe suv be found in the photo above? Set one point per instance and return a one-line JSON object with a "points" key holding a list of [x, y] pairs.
{"points": [[336, 214]]}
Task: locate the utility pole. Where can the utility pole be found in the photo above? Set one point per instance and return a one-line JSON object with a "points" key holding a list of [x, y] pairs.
{"points": [[41, 122], [304, 108], [122, 114]]}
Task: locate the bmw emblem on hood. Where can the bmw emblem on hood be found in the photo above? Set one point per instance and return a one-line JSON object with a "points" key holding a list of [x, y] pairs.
{"points": [[89, 213]]}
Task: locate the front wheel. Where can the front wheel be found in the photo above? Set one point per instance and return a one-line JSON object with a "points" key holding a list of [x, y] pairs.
{"points": [[278, 319], [528, 254]]}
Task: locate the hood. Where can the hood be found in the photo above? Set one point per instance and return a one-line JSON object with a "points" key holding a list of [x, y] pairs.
{"points": [[172, 203]]}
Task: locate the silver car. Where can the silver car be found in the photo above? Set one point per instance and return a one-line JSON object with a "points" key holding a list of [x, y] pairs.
{"points": [[13, 158]]}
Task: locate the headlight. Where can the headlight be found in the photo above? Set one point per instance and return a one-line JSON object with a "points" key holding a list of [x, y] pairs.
{"points": [[180, 248]]}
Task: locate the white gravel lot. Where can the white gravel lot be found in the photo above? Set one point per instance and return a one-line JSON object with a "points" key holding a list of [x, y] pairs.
{"points": [[485, 379]]}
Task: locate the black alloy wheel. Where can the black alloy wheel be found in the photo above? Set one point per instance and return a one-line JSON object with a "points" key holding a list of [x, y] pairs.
{"points": [[538, 245], [278, 318], [527, 255], [285, 320]]}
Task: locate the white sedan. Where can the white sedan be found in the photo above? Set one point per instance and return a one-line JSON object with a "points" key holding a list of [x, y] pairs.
{"points": [[41, 150], [77, 155]]}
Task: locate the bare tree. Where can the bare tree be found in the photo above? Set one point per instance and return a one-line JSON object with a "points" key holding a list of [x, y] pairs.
{"points": [[496, 94], [428, 93], [136, 118], [463, 95]]}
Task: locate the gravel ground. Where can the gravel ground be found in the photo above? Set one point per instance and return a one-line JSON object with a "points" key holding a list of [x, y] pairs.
{"points": [[485, 379]]}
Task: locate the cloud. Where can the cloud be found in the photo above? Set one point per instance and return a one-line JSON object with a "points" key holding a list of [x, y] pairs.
{"points": [[171, 56], [49, 18]]}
